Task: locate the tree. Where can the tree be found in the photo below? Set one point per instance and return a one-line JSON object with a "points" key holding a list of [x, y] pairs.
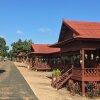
{"points": [[27, 46], [3, 47], [21, 46]]}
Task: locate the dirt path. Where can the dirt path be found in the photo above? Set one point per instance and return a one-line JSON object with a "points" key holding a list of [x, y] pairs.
{"points": [[40, 83]]}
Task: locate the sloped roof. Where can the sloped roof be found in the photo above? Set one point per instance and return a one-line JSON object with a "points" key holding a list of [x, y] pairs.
{"points": [[84, 29], [44, 49], [21, 54]]}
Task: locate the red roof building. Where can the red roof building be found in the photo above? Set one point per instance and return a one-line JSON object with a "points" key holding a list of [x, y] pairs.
{"points": [[77, 51], [21, 56], [41, 56], [44, 49], [84, 29], [74, 30], [80, 47]]}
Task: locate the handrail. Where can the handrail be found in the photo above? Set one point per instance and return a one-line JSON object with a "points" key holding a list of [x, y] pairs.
{"points": [[66, 73], [69, 69], [77, 72], [88, 72], [91, 68], [64, 77], [85, 68], [92, 72]]}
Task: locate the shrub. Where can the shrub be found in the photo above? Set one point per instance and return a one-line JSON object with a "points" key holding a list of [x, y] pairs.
{"points": [[74, 87], [56, 73]]}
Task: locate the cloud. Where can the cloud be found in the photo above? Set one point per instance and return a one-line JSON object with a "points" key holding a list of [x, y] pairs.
{"points": [[20, 32], [44, 30], [1, 36]]}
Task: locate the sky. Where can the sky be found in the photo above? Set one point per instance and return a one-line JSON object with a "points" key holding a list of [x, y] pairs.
{"points": [[41, 20]]}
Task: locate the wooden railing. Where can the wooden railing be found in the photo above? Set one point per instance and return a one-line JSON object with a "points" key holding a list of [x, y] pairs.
{"points": [[41, 66], [92, 72], [88, 74], [77, 72], [57, 81], [57, 66]]}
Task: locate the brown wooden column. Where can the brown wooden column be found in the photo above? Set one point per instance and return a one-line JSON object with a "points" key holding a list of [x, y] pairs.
{"points": [[82, 65], [31, 61]]}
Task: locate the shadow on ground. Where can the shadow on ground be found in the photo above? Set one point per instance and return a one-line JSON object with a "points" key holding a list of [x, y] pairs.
{"points": [[49, 77], [2, 71]]}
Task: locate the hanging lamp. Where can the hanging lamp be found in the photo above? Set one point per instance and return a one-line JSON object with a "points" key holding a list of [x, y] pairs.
{"points": [[86, 56], [97, 57], [92, 56]]}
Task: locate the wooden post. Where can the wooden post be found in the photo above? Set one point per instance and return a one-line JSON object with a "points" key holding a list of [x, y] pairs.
{"points": [[56, 82], [83, 84], [72, 69], [31, 62], [83, 88], [52, 80]]}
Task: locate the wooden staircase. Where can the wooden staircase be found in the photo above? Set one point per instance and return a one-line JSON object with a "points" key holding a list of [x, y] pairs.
{"points": [[64, 77]]}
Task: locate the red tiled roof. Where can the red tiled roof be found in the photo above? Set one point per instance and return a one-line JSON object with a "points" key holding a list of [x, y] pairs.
{"points": [[44, 49], [84, 29], [21, 54]]}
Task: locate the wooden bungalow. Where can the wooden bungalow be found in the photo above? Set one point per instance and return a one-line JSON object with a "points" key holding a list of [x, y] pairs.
{"points": [[80, 48], [21, 57], [43, 57]]}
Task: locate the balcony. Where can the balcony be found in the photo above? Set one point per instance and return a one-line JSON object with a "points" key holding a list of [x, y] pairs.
{"points": [[87, 74]]}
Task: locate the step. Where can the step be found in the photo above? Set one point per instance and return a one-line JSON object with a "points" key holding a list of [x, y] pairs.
{"points": [[61, 83]]}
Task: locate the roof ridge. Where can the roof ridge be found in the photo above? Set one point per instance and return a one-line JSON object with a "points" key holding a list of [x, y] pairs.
{"points": [[40, 44], [79, 21]]}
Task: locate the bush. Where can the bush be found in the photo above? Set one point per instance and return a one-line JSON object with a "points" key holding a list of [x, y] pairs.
{"points": [[73, 87], [56, 73]]}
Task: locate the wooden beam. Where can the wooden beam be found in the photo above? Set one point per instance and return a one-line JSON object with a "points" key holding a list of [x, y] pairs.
{"points": [[83, 88], [89, 48], [82, 65]]}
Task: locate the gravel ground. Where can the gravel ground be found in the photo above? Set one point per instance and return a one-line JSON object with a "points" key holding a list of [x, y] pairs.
{"points": [[12, 84]]}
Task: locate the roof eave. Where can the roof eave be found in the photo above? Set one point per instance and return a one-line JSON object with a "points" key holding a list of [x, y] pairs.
{"points": [[65, 22]]}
